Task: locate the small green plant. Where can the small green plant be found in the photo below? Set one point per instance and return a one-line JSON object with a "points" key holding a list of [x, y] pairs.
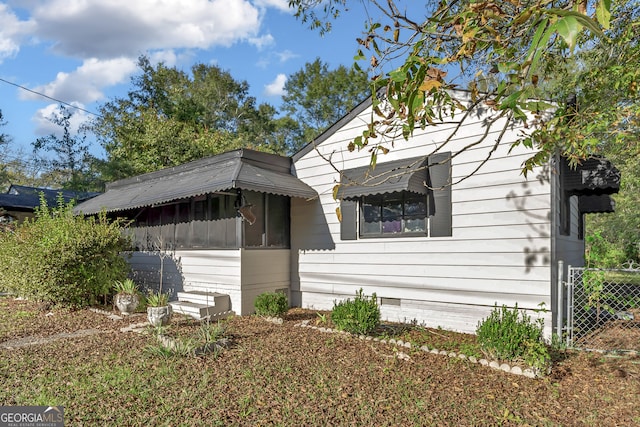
{"points": [[273, 304], [358, 316], [322, 319], [509, 334], [208, 339], [211, 332], [126, 286], [157, 299]]}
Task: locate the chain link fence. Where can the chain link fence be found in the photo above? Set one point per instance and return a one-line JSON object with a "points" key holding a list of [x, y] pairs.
{"points": [[604, 308]]}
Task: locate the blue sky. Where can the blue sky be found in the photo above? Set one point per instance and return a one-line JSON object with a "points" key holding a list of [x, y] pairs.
{"points": [[84, 52]]}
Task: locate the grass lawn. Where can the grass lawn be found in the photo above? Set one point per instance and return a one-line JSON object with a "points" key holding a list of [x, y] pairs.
{"points": [[285, 375]]}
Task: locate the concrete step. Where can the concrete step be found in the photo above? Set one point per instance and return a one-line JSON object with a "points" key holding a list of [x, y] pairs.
{"points": [[199, 311], [221, 301]]}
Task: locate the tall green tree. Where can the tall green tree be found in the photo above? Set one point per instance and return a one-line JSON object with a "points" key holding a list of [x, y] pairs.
{"points": [[4, 156], [68, 162], [498, 50], [171, 117], [316, 97], [17, 166], [606, 79]]}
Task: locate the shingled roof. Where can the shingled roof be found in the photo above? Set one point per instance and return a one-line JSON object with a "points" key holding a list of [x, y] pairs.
{"points": [[25, 198]]}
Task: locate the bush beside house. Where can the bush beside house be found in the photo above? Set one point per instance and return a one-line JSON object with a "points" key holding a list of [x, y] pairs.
{"points": [[63, 259]]}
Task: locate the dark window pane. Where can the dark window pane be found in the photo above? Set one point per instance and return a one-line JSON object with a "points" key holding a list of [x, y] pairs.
{"points": [[415, 225], [415, 205], [253, 211], [392, 215], [200, 209], [154, 216], [277, 221], [184, 209], [371, 215], [216, 203]]}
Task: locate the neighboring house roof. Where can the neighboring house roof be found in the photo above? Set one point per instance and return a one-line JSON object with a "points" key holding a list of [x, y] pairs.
{"points": [[240, 169], [24, 198]]}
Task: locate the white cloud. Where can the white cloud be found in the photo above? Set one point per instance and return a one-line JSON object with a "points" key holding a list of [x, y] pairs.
{"points": [[113, 28], [86, 82], [286, 55], [262, 41], [12, 31], [282, 5], [276, 88], [44, 126], [282, 57]]}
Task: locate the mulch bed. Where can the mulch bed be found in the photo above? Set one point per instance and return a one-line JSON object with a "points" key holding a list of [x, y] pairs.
{"points": [[287, 375]]}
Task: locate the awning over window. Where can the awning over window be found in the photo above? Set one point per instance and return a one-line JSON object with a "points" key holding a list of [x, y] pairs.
{"points": [[388, 177], [592, 177], [596, 204], [240, 169]]}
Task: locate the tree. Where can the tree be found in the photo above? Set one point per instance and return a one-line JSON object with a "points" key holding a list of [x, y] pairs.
{"points": [[16, 166], [502, 51], [4, 154], [171, 117], [70, 166], [317, 97], [607, 68]]}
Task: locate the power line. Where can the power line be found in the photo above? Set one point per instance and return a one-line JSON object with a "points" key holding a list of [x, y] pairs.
{"points": [[48, 97]]}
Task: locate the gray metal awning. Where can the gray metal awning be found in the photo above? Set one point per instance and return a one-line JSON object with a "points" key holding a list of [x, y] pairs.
{"points": [[241, 169], [389, 177], [594, 176]]}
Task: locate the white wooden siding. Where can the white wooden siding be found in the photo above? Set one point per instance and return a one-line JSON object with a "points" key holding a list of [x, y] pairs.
{"points": [[266, 270], [499, 251], [213, 271], [242, 274]]}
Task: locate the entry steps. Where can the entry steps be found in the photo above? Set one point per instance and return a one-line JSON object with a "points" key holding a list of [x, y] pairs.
{"points": [[202, 305]]}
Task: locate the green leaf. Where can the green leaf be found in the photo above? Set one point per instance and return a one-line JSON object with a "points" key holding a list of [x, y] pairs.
{"points": [[398, 75], [582, 19], [505, 67], [510, 101], [603, 13], [569, 28], [537, 106]]}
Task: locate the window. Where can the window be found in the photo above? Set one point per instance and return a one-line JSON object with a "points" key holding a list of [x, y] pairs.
{"points": [[271, 227], [212, 222], [403, 206], [393, 214]]}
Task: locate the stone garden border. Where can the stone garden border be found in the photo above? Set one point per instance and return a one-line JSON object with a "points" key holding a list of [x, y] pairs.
{"points": [[494, 364]]}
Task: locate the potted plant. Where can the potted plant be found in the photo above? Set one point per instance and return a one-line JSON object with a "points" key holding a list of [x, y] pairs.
{"points": [[126, 298], [158, 309]]}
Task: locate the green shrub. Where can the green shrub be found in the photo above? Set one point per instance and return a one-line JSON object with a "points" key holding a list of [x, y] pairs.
{"points": [[511, 335], [360, 316], [272, 304], [63, 259]]}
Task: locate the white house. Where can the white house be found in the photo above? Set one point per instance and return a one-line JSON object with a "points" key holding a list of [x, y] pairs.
{"points": [[439, 237]]}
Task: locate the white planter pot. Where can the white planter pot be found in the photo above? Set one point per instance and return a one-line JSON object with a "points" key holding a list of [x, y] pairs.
{"points": [[127, 303], [159, 316]]}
